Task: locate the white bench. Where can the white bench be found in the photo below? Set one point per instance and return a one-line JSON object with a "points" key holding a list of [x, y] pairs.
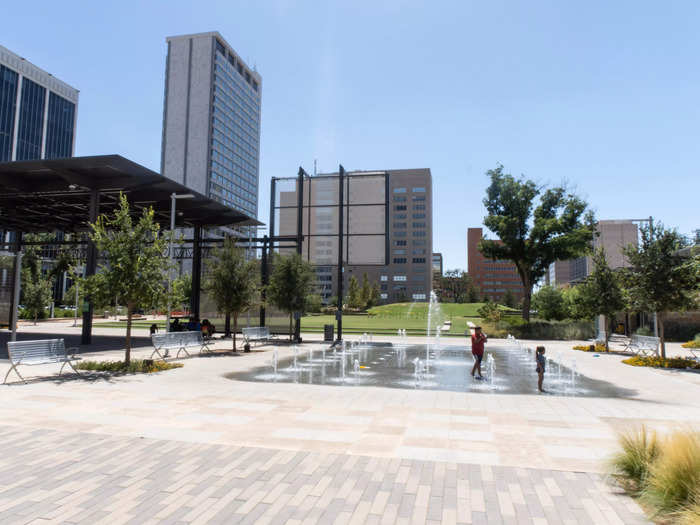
{"points": [[179, 341], [643, 345], [40, 352], [256, 333]]}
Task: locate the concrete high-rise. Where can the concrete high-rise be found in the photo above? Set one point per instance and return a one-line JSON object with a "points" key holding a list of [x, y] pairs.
{"points": [[387, 229], [211, 121], [37, 112]]}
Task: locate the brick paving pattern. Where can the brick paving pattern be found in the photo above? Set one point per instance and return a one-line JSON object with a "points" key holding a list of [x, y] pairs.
{"points": [[51, 476]]}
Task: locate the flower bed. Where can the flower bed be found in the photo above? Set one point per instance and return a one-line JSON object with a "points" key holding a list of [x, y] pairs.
{"points": [[598, 347], [658, 362], [136, 366]]}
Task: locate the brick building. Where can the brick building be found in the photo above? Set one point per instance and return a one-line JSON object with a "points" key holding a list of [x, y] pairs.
{"points": [[492, 278]]}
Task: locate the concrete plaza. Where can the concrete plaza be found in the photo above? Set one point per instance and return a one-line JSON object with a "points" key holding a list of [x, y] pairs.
{"points": [[189, 445]]}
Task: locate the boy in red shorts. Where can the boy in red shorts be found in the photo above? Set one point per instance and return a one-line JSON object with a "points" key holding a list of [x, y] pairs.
{"points": [[478, 340]]}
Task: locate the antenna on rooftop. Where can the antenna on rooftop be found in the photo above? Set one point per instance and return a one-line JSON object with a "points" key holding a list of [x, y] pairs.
{"points": [[314, 167]]}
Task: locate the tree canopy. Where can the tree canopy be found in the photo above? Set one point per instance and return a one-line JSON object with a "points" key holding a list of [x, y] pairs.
{"points": [[291, 282], [659, 279], [534, 233], [134, 262], [232, 282]]}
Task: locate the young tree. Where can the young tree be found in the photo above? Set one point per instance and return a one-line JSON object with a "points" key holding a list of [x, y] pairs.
{"points": [[182, 291], [374, 296], [37, 295], [558, 228], [600, 293], [473, 295], [353, 293], [292, 280], [490, 312], [134, 263], [549, 303], [232, 283], [659, 279], [365, 292]]}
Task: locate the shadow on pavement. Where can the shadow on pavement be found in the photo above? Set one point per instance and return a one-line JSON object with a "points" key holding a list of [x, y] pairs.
{"points": [[100, 343]]}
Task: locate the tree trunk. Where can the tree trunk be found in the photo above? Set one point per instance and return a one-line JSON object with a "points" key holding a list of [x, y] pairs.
{"points": [[607, 332], [527, 298], [660, 321], [235, 329], [291, 333], [127, 352], [227, 325]]}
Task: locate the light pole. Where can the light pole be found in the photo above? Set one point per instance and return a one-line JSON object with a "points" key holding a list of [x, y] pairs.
{"points": [[173, 198]]}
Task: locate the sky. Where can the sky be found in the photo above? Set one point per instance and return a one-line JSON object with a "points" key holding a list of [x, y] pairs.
{"points": [[599, 95]]}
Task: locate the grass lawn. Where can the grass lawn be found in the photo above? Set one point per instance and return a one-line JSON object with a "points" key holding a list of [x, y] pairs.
{"points": [[386, 319]]}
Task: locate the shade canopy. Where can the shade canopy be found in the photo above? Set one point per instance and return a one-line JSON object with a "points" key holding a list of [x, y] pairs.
{"points": [[48, 195]]}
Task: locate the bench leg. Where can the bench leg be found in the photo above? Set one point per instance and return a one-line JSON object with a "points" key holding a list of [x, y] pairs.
{"points": [[13, 367], [183, 349], [157, 351]]}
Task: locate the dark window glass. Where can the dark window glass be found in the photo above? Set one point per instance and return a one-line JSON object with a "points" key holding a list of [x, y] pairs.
{"points": [[399, 198], [31, 118], [419, 225], [400, 260], [220, 48], [400, 243], [419, 233], [419, 215], [419, 259], [59, 127], [419, 197], [399, 225], [231, 59], [400, 207], [8, 98]]}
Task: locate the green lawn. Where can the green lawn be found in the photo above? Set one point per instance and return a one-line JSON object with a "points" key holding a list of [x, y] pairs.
{"points": [[385, 319]]}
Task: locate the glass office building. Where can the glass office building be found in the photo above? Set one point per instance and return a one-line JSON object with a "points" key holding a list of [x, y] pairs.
{"points": [[211, 127], [37, 112]]}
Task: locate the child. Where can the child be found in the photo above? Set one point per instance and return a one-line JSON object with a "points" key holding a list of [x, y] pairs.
{"points": [[478, 340], [541, 361]]}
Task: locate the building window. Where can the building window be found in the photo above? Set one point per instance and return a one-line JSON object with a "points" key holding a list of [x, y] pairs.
{"points": [[418, 190], [419, 260], [384, 278], [419, 233], [399, 252], [419, 225], [419, 242], [399, 198], [400, 225], [400, 234], [419, 215], [400, 207], [220, 48], [399, 190], [383, 295], [419, 251], [399, 216], [419, 197], [400, 260], [399, 277], [400, 243], [419, 206], [418, 296]]}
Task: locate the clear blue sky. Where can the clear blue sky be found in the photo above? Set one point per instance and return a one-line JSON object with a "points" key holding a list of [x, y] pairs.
{"points": [[604, 95]]}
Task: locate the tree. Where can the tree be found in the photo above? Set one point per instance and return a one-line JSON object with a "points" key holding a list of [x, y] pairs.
{"points": [[558, 228], [374, 296], [509, 299], [133, 265], [232, 283], [37, 295], [354, 293], [182, 291], [573, 303], [292, 280], [549, 303], [473, 295], [455, 286], [600, 293], [365, 292], [490, 312], [313, 303], [659, 279]]}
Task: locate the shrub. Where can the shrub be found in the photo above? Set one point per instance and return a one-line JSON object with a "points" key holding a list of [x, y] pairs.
{"points": [[643, 330], [675, 475], [691, 344], [557, 330], [633, 463], [659, 362], [598, 347], [144, 366], [680, 330]]}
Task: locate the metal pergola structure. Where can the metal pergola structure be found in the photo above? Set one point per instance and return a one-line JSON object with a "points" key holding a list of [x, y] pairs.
{"points": [[66, 194]]}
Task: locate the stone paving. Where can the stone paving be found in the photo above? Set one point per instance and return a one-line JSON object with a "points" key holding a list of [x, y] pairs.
{"points": [[48, 476], [207, 448]]}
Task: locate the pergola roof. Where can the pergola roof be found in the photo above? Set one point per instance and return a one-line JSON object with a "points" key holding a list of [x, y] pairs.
{"points": [[48, 195]]}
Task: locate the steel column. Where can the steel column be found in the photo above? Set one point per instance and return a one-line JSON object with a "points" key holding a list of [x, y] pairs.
{"points": [[341, 213], [196, 271], [90, 267]]}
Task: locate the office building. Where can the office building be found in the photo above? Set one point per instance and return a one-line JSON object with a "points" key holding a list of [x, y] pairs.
{"points": [[37, 112], [437, 265], [492, 278], [387, 229], [211, 121], [613, 236]]}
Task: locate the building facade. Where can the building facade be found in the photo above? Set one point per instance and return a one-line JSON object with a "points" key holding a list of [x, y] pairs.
{"points": [[613, 236], [492, 278], [211, 121], [387, 229], [37, 112], [437, 265]]}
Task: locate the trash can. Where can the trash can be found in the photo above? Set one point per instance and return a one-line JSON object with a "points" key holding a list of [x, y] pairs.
{"points": [[328, 332]]}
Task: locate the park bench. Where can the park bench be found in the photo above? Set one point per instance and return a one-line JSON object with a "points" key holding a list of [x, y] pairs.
{"points": [[40, 352], [180, 341], [260, 334], [643, 345]]}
